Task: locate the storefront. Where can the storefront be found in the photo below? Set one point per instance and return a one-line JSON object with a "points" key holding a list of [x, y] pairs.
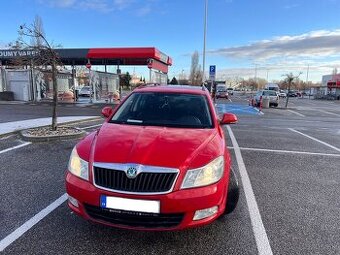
{"points": [[38, 85]]}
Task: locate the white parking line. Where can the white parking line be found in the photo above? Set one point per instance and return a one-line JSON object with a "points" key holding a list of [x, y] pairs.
{"points": [[15, 147], [8, 240], [260, 234], [314, 139], [91, 126], [285, 151], [330, 113], [297, 113]]}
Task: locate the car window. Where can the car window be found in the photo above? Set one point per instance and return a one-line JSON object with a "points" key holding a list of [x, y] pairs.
{"points": [[165, 109], [269, 93]]}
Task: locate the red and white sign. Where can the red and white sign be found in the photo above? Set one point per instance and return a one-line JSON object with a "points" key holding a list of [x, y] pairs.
{"points": [[88, 65]]}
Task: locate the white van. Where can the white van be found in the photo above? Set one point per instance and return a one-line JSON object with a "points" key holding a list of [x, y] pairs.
{"points": [[272, 86]]}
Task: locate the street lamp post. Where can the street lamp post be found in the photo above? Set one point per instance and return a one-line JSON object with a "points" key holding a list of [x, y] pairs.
{"points": [[205, 35]]}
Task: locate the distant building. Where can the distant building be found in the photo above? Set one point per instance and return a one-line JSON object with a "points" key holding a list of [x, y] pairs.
{"points": [[331, 84]]}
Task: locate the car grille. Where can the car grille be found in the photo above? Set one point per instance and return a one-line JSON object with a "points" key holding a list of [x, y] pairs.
{"points": [[134, 219], [144, 182]]}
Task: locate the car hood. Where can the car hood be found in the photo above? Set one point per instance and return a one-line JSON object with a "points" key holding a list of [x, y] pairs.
{"points": [[149, 145]]}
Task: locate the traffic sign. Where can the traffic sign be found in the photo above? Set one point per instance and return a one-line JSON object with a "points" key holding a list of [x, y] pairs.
{"points": [[88, 65], [212, 72]]}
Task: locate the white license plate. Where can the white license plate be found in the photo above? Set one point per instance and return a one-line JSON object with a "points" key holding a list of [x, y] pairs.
{"points": [[127, 204]]}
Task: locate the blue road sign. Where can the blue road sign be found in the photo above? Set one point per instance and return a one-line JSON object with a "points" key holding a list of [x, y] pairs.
{"points": [[212, 73], [212, 70]]}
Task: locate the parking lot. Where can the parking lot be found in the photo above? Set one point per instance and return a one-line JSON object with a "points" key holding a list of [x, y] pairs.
{"points": [[287, 161]]}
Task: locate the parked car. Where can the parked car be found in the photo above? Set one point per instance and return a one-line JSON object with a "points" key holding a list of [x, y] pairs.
{"points": [[222, 93], [282, 94], [85, 91], [270, 94], [292, 93], [158, 162], [230, 91]]}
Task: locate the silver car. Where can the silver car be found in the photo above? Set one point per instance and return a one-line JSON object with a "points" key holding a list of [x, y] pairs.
{"points": [[85, 91], [269, 94]]}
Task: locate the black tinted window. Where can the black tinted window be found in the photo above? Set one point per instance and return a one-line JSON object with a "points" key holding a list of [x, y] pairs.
{"points": [[165, 109]]}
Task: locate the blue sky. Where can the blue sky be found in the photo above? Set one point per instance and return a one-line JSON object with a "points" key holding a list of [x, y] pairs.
{"points": [[273, 36]]}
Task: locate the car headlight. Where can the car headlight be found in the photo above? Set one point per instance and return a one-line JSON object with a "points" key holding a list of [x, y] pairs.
{"points": [[205, 175], [78, 166]]}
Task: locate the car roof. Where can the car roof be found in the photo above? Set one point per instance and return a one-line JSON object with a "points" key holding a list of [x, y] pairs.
{"points": [[185, 89]]}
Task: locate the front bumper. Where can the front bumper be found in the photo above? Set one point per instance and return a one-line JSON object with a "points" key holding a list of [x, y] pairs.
{"points": [[177, 207]]}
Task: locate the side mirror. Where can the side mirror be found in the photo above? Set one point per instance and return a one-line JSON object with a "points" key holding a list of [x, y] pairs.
{"points": [[107, 111], [228, 118]]}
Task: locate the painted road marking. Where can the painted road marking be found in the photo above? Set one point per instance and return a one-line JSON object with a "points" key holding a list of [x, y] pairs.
{"points": [[15, 147], [261, 238], [8, 240], [314, 139], [238, 109], [297, 113], [286, 151], [91, 126], [330, 113]]}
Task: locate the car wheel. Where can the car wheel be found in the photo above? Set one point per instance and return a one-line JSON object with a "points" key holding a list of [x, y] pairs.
{"points": [[233, 193]]}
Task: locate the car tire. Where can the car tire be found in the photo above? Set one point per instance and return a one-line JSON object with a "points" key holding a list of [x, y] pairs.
{"points": [[233, 193]]}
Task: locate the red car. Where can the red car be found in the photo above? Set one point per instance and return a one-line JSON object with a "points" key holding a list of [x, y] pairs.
{"points": [[158, 162]]}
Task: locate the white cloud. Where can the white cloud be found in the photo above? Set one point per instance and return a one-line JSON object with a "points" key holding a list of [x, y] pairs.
{"points": [[291, 6], [143, 11], [321, 43], [137, 7], [277, 69], [122, 4], [97, 5]]}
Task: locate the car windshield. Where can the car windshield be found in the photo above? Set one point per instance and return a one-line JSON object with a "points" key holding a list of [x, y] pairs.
{"points": [[165, 109], [269, 93]]}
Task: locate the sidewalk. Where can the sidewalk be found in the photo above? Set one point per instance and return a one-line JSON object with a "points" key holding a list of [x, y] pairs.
{"points": [[97, 104], [14, 126]]}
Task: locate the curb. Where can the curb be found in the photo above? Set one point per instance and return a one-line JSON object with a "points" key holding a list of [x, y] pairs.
{"points": [[61, 124], [38, 139], [73, 104]]}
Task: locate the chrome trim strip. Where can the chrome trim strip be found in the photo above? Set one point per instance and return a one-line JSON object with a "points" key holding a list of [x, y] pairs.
{"points": [[140, 169]]}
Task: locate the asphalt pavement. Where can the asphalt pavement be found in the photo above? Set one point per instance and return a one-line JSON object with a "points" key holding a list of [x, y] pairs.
{"points": [[292, 158]]}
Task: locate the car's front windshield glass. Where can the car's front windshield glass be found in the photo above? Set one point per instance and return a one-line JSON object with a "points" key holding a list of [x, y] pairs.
{"points": [[269, 93], [165, 109]]}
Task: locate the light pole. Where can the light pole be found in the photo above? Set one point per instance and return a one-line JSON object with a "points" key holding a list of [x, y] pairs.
{"points": [[256, 77], [310, 88], [205, 35]]}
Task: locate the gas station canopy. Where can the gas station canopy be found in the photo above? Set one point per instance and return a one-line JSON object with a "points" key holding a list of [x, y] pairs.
{"points": [[148, 56]]}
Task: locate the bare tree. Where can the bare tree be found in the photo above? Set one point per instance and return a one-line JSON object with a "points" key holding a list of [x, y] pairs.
{"points": [[44, 55], [335, 71], [196, 75], [39, 27], [289, 79]]}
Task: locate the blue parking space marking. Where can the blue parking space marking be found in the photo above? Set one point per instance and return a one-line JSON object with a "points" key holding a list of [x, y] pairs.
{"points": [[237, 109]]}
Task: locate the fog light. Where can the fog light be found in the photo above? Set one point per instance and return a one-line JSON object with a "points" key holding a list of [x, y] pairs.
{"points": [[73, 201], [204, 213]]}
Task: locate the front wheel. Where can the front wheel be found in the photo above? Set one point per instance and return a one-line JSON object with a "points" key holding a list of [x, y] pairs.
{"points": [[233, 193]]}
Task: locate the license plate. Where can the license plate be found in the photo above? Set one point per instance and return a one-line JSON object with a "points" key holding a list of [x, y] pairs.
{"points": [[127, 204]]}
